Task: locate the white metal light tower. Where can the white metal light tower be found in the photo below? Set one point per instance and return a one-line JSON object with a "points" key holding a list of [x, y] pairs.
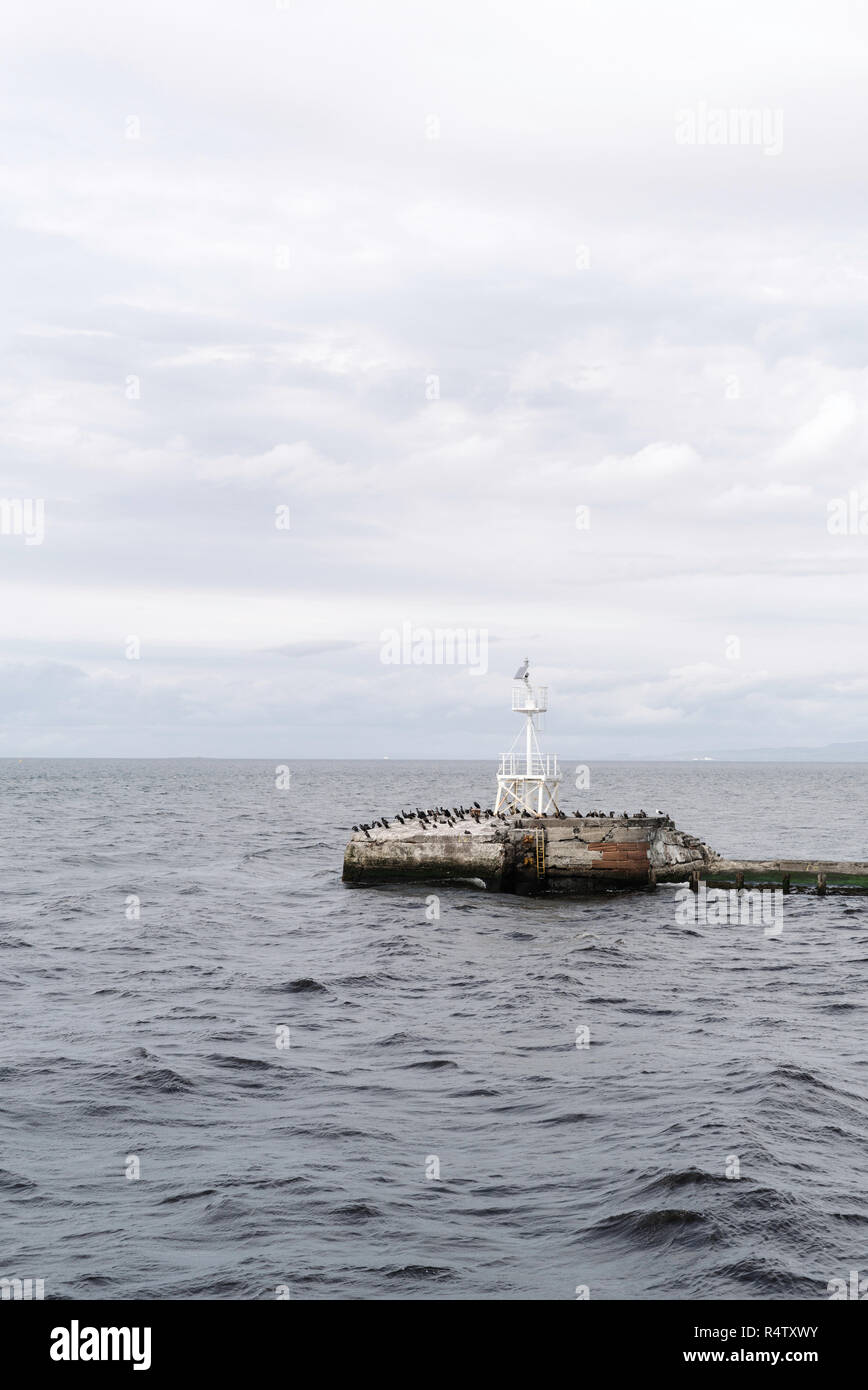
{"points": [[528, 786]]}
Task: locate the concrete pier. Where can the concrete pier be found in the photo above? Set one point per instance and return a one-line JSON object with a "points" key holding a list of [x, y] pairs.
{"points": [[573, 855], [528, 854], [789, 874], [527, 845]]}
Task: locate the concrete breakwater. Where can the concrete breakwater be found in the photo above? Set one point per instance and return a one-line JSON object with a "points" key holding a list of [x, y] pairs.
{"points": [[528, 845], [572, 855], [516, 854]]}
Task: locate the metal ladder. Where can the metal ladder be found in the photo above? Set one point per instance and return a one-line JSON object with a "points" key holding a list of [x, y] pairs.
{"points": [[540, 846]]}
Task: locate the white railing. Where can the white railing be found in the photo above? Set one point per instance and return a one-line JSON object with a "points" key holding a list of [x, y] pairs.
{"points": [[530, 698], [515, 765]]}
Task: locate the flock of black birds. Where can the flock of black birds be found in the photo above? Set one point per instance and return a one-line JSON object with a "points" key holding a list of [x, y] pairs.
{"points": [[443, 815]]}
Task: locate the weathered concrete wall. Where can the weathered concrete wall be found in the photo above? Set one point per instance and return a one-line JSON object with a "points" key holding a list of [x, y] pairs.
{"points": [[574, 855], [405, 854], [788, 873]]}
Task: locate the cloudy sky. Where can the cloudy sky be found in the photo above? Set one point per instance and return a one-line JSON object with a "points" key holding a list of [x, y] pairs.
{"points": [[432, 278]]}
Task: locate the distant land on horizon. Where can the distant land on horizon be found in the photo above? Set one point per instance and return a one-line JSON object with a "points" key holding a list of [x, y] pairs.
{"points": [[854, 752], [827, 753]]}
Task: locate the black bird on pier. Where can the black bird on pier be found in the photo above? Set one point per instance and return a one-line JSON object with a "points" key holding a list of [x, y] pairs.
{"points": [[365, 828], [355, 829], [477, 805]]}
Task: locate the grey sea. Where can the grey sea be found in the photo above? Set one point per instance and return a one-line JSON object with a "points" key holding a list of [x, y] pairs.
{"points": [[225, 1075]]}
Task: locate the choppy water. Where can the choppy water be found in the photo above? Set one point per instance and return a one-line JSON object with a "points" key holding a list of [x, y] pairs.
{"points": [[412, 1040]]}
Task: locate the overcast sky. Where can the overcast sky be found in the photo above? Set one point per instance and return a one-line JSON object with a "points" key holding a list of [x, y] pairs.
{"points": [[245, 245]]}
